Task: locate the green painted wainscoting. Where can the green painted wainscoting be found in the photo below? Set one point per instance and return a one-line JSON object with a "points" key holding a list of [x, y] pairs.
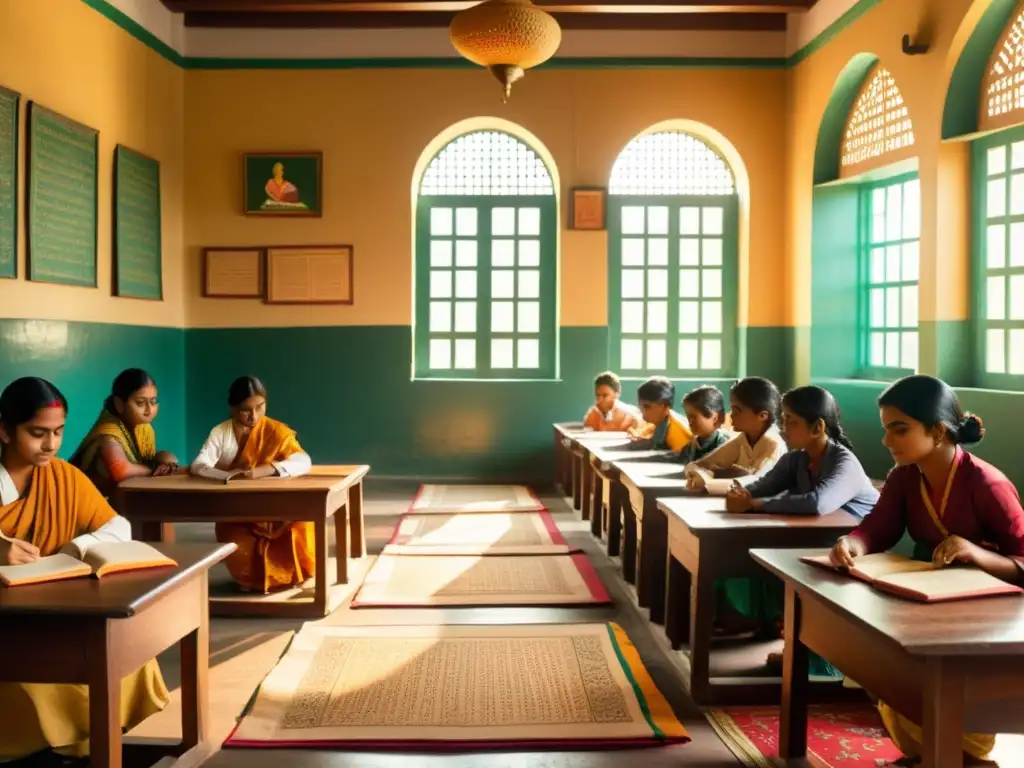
{"points": [[348, 393], [82, 359]]}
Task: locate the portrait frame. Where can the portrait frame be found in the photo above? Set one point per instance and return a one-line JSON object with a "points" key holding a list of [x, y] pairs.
{"points": [[588, 208], [301, 183]]}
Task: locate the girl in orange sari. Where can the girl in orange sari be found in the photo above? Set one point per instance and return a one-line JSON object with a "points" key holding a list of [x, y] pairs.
{"points": [[252, 446], [48, 506]]}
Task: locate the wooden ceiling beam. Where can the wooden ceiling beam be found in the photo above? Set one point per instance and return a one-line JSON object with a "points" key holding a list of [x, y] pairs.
{"points": [[564, 6], [759, 22]]}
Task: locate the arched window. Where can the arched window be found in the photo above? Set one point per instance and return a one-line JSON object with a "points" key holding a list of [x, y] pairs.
{"points": [[879, 135], [486, 219], [672, 276]]}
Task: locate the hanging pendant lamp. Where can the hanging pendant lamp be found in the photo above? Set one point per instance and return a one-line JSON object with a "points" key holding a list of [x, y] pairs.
{"points": [[506, 36]]}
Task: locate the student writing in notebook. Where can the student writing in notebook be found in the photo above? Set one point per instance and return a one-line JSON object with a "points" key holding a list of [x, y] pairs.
{"points": [[705, 413], [122, 442], [819, 474], [754, 407], [664, 429], [608, 413], [48, 506], [956, 507], [252, 446]]}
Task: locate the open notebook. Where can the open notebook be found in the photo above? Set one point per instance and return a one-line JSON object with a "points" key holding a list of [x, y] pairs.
{"points": [[920, 581], [99, 560], [718, 486]]}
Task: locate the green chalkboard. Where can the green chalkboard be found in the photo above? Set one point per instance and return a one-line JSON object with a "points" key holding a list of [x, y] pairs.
{"points": [[137, 244], [9, 101], [62, 189]]}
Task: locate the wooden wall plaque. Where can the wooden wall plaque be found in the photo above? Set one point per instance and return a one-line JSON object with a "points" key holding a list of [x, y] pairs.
{"points": [[587, 208], [309, 274], [233, 273]]}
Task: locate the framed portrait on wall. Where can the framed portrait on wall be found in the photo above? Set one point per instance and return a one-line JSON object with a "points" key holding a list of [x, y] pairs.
{"points": [[283, 183]]}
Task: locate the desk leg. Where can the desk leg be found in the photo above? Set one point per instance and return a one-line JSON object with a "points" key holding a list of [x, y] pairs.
{"points": [[795, 683], [104, 701], [629, 543], [614, 518], [577, 480], [320, 576], [702, 620], [587, 492], [195, 667], [597, 504], [943, 708], [341, 544], [357, 531], [677, 602]]}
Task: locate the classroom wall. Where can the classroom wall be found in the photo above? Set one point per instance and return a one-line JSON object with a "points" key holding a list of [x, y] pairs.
{"points": [[821, 222], [338, 373], [69, 58]]}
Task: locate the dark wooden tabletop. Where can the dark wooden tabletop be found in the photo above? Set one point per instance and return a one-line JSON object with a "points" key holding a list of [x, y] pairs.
{"points": [[117, 595], [611, 452], [708, 513], [980, 627]]}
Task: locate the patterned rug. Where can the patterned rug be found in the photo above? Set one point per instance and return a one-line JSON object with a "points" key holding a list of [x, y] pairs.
{"points": [[838, 736], [410, 581], [459, 688], [471, 533], [451, 499]]}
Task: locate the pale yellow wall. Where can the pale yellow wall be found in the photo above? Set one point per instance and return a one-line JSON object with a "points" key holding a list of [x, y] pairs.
{"points": [[943, 167], [372, 127], [71, 59]]}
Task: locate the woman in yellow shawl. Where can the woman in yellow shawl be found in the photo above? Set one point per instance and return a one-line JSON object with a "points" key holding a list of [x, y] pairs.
{"points": [[122, 443], [252, 446], [48, 506]]}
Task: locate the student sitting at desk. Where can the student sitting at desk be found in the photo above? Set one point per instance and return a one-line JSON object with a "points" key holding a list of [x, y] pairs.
{"points": [[122, 443], [956, 507], [252, 446], [820, 474], [754, 408], [48, 506], [705, 413], [664, 429], [608, 413]]}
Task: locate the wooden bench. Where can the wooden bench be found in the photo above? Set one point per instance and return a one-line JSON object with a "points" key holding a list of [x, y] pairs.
{"points": [[706, 544], [154, 505], [94, 633], [950, 667]]}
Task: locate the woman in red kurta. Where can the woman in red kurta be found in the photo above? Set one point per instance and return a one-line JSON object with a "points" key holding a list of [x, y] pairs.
{"points": [[956, 507]]}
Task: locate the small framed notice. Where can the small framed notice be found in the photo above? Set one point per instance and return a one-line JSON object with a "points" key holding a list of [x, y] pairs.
{"points": [[233, 273], [309, 274], [587, 208]]}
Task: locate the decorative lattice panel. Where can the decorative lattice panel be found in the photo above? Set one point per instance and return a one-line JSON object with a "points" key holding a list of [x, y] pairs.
{"points": [[670, 163], [1003, 88], [486, 163], [879, 125]]}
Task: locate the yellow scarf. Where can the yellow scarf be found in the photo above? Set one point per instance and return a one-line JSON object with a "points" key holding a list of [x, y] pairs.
{"points": [[139, 446], [60, 504], [268, 442]]}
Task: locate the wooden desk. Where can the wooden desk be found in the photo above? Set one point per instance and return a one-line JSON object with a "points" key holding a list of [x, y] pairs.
{"points": [[94, 632], [563, 454], [153, 504], [582, 481], [706, 544], [952, 667]]}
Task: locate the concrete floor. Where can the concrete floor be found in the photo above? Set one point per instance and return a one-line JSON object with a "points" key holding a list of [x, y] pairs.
{"points": [[244, 650]]}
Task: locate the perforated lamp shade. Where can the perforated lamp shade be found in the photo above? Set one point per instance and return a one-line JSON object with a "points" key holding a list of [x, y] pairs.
{"points": [[506, 36]]}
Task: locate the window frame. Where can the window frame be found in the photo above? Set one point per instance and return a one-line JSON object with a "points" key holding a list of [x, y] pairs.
{"points": [[548, 321], [979, 272], [730, 284], [864, 247]]}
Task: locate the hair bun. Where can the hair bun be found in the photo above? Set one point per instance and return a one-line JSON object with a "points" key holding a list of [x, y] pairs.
{"points": [[970, 430]]}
